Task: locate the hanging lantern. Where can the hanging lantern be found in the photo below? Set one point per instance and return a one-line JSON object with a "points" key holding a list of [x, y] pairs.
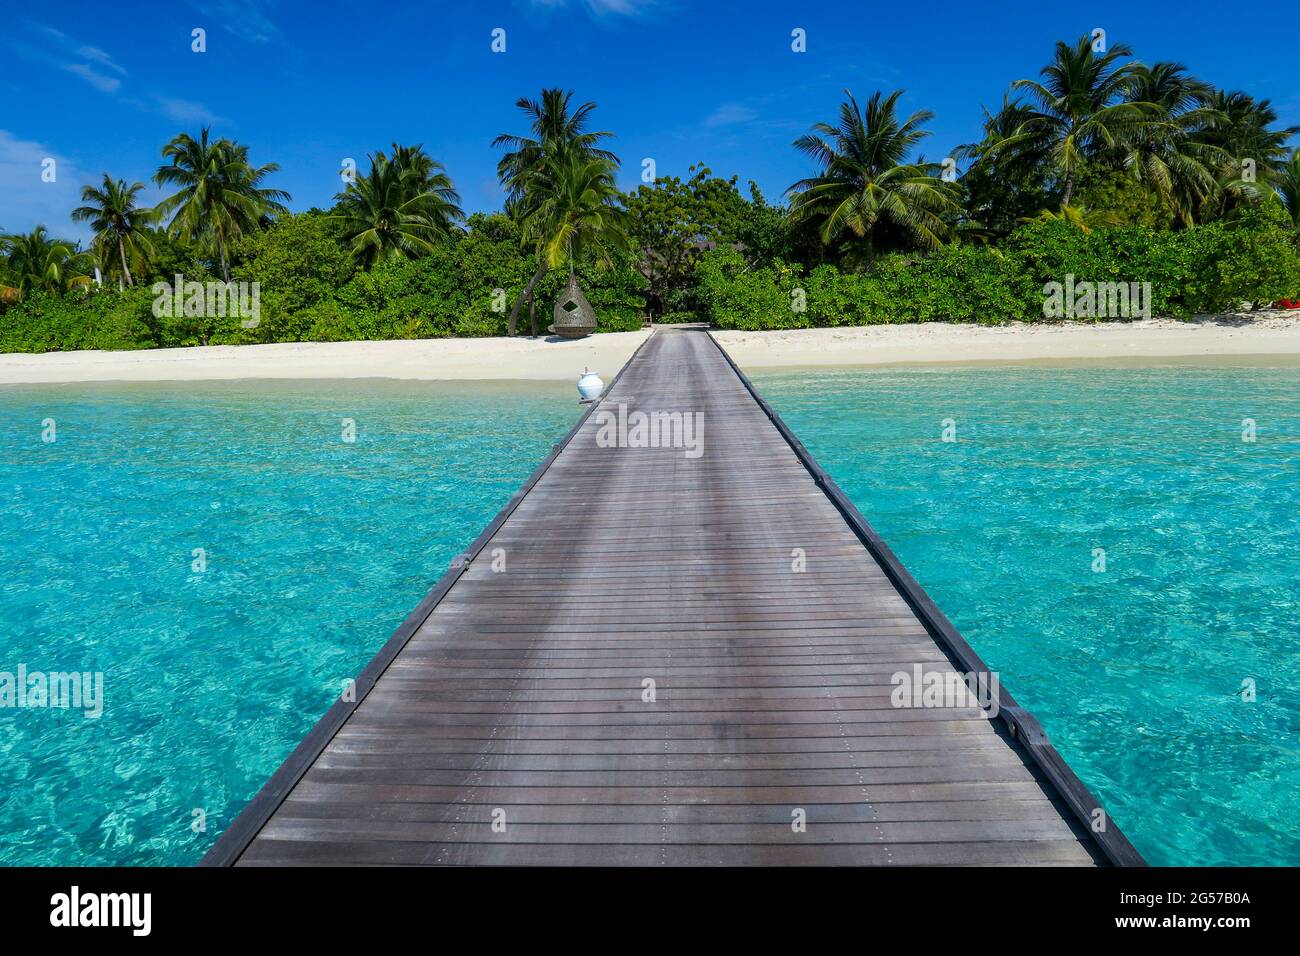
{"points": [[574, 316]]}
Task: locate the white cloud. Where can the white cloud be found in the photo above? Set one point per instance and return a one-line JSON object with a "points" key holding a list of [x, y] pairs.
{"points": [[105, 84], [92, 64], [97, 55], [600, 8], [26, 201], [729, 114], [187, 111], [625, 7], [247, 19], [98, 68]]}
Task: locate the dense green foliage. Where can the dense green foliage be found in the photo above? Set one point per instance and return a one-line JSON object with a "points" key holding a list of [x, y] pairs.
{"points": [[1211, 268], [45, 322], [1102, 168], [313, 292], [867, 189], [452, 292], [560, 188], [401, 208], [219, 195], [674, 221]]}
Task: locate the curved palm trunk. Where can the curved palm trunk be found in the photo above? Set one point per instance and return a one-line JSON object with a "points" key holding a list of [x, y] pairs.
{"points": [[121, 251], [1069, 189], [526, 294], [532, 315]]}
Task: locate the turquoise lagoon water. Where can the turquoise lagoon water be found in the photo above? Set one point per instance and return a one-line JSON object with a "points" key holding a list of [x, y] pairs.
{"points": [[1136, 672], [316, 549]]}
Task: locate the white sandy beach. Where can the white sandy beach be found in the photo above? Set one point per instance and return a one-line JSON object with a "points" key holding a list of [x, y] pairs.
{"points": [[425, 359], [1272, 334]]}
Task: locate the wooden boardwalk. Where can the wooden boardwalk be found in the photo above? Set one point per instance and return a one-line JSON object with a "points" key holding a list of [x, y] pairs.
{"points": [[507, 721]]}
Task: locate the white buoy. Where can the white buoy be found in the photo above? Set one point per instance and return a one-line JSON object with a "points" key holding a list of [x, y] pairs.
{"points": [[590, 385]]}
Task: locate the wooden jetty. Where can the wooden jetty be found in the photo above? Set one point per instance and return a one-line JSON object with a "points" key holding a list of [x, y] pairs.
{"points": [[653, 657]]}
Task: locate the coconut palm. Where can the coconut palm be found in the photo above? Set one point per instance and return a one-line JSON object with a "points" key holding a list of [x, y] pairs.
{"points": [[577, 212], [400, 208], [121, 225], [36, 262], [416, 163], [573, 214], [1169, 86], [1167, 154], [1082, 218], [221, 195], [1288, 187], [558, 160], [552, 131], [1252, 152], [1083, 109], [1002, 185], [1244, 130], [8, 279], [866, 186]]}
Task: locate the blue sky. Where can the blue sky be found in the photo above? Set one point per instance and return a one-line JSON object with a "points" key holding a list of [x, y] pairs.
{"points": [[307, 84]]}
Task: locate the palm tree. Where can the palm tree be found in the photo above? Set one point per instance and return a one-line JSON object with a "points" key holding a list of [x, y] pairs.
{"points": [[220, 193], [1244, 130], [34, 261], [117, 220], [401, 207], [1083, 109], [553, 130], [1288, 187], [1253, 153], [577, 212], [574, 213], [415, 162], [1082, 218], [866, 184], [1002, 185], [559, 157], [1167, 154]]}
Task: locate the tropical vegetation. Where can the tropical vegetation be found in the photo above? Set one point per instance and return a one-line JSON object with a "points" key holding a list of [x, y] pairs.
{"points": [[402, 207], [1100, 167], [121, 226], [219, 193]]}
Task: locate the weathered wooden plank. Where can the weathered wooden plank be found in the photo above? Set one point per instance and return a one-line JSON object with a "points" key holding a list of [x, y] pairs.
{"points": [[476, 827], [296, 808], [270, 852], [952, 735], [342, 758], [788, 796]]}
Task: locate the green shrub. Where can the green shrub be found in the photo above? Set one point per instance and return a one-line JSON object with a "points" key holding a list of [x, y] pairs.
{"points": [[102, 319], [297, 262], [738, 297], [1212, 268], [1259, 261]]}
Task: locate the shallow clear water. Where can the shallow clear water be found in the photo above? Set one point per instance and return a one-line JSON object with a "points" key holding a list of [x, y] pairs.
{"points": [[316, 549], [1136, 671]]}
